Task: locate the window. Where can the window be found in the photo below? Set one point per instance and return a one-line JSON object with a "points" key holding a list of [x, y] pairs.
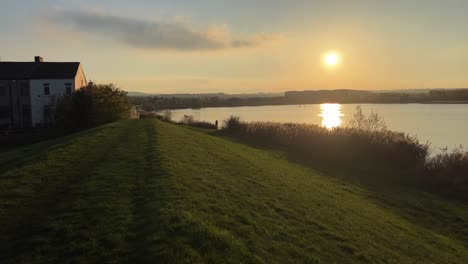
{"points": [[24, 89], [2, 91], [68, 88], [4, 112], [46, 88]]}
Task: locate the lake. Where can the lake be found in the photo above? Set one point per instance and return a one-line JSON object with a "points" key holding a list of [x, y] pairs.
{"points": [[443, 125]]}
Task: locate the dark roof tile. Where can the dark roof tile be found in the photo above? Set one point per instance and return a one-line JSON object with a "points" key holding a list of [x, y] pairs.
{"points": [[34, 70]]}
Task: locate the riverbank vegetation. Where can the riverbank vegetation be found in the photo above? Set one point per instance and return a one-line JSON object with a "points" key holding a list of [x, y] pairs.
{"points": [[346, 144], [365, 142], [447, 173], [139, 191], [186, 120]]}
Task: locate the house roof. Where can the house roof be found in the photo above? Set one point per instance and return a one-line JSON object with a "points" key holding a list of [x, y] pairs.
{"points": [[38, 70]]}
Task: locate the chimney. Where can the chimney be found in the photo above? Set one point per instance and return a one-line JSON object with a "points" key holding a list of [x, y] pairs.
{"points": [[38, 59]]}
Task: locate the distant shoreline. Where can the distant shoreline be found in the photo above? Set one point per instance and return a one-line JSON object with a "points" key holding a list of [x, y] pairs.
{"points": [[306, 97], [367, 103]]}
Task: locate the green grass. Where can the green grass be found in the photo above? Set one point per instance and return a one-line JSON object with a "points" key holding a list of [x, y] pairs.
{"points": [[146, 191]]}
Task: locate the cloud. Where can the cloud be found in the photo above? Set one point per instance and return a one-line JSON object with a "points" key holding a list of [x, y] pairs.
{"points": [[176, 35]]}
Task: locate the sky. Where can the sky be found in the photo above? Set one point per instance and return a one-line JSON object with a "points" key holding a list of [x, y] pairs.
{"points": [[244, 46]]}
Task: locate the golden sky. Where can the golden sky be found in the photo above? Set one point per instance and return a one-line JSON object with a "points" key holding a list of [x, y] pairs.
{"points": [[246, 46]]}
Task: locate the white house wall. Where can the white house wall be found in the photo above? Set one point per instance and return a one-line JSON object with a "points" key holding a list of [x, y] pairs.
{"points": [[80, 78], [39, 100]]}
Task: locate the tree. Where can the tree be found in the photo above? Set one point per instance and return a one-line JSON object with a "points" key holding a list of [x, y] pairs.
{"points": [[90, 106], [372, 122]]}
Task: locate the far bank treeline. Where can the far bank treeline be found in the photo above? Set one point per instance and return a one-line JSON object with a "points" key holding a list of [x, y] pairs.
{"points": [[150, 103]]}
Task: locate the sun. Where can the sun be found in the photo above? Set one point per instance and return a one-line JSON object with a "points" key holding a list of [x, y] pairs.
{"points": [[331, 59]]}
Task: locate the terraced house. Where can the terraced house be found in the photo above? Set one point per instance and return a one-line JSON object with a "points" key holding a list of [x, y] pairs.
{"points": [[27, 88]]}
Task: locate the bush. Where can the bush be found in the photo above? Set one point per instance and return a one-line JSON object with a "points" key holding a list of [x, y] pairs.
{"points": [[233, 124], [144, 114], [448, 172], [90, 106], [373, 122], [190, 121], [203, 124], [347, 143], [167, 116]]}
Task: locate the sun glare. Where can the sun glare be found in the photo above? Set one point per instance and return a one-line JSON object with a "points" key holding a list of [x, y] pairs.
{"points": [[331, 115], [331, 59]]}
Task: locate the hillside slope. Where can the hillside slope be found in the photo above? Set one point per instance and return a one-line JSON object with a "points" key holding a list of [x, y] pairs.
{"points": [[147, 191]]}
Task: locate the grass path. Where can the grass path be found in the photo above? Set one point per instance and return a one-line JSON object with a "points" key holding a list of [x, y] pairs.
{"points": [[143, 191]]}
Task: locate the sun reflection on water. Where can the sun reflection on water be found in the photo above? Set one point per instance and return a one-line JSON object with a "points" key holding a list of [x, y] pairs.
{"points": [[331, 115]]}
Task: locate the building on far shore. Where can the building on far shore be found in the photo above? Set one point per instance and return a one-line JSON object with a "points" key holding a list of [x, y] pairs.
{"points": [[27, 88]]}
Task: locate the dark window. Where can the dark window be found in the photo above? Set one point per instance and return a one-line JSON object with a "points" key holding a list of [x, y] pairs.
{"points": [[26, 112], [46, 88], [4, 112], [24, 89], [2, 91], [68, 88]]}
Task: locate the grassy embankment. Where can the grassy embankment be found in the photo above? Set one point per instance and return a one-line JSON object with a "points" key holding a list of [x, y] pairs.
{"points": [[147, 190]]}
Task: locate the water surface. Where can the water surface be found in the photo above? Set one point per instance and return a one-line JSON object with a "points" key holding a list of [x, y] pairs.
{"points": [[443, 125]]}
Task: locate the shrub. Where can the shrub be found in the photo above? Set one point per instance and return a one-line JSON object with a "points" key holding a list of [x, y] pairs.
{"points": [[340, 143], [233, 124], [90, 106], [365, 138], [203, 124], [448, 172], [145, 114], [190, 121], [373, 122], [167, 116]]}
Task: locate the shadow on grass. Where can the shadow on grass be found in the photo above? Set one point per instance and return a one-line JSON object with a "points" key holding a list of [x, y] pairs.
{"points": [[26, 154], [26, 227]]}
